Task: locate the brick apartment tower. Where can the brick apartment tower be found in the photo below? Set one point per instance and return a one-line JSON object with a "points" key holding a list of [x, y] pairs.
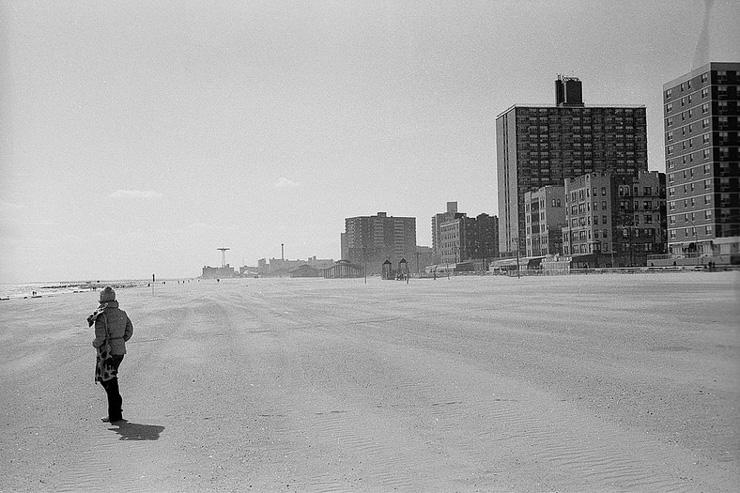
{"points": [[372, 240], [542, 145], [701, 149], [437, 220]]}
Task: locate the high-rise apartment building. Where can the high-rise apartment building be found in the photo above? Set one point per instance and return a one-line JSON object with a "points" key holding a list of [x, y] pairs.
{"points": [[543, 145], [701, 148], [371, 240], [544, 214], [614, 220]]}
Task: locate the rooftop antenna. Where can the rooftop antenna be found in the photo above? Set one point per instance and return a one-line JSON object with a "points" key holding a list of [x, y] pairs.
{"points": [[223, 256]]}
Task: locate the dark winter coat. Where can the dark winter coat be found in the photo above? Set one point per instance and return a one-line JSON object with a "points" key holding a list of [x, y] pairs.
{"points": [[120, 328]]}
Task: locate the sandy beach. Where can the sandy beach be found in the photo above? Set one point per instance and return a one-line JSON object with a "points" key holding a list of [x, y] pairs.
{"points": [[577, 383]]}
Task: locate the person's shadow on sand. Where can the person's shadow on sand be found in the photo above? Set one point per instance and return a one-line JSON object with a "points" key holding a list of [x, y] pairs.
{"points": [[136, 431]]}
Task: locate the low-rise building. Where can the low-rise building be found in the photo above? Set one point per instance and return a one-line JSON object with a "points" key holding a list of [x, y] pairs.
{"points": [[544, 212], [224, 272], [467, 238], [279, 267], [613, 219]]}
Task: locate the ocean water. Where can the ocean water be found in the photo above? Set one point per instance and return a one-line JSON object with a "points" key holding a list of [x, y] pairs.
{"points": [[40, 289]]}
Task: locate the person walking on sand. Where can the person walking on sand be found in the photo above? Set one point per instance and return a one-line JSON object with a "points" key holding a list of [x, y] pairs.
{"points": [[112, 329]]}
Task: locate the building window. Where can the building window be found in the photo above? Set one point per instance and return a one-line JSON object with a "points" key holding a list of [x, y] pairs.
{"points": [[706, 138], [708, 229], [668, 93], [705, 123], [705, 108], [704, 77]]}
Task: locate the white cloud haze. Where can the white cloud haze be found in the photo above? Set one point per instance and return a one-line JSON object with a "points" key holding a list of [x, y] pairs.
{"points": [[286, 183], [135, 194], [269, 123]]}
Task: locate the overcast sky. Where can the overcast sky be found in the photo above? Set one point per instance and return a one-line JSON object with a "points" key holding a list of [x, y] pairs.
{"points": [[138, 137]]}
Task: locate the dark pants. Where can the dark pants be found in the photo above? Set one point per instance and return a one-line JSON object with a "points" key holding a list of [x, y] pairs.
{"points": [[114, 396]]}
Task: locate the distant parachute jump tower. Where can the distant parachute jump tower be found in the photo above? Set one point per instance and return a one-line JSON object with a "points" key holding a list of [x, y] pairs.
{"points": [[223, 256]]}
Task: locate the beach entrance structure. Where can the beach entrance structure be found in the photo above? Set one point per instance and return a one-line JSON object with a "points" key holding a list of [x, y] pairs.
{"points": [[387, 272], [403, 269], [223, 256]]}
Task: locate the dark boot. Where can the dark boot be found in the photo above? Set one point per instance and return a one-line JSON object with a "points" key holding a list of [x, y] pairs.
{"points": [[114, 400]]}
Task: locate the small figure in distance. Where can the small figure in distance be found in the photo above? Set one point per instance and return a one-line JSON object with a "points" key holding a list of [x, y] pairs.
{"points": [[112, 329]]}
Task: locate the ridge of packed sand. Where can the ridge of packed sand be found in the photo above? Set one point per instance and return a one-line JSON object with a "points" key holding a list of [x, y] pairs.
{"points": [[574, 383]]}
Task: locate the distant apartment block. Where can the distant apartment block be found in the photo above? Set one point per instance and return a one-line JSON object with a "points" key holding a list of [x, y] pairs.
{"points": [[371, 240], [614, 220], [544, 213], [701, 149], [437, 221], [542, 145], [466, 238]]}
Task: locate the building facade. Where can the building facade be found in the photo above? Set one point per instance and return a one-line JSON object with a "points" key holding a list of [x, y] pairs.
{"points": [[467, 238], [371, 240], [701, 149], [437, 221], [544, 214], [542, 145], [614, 220]]}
